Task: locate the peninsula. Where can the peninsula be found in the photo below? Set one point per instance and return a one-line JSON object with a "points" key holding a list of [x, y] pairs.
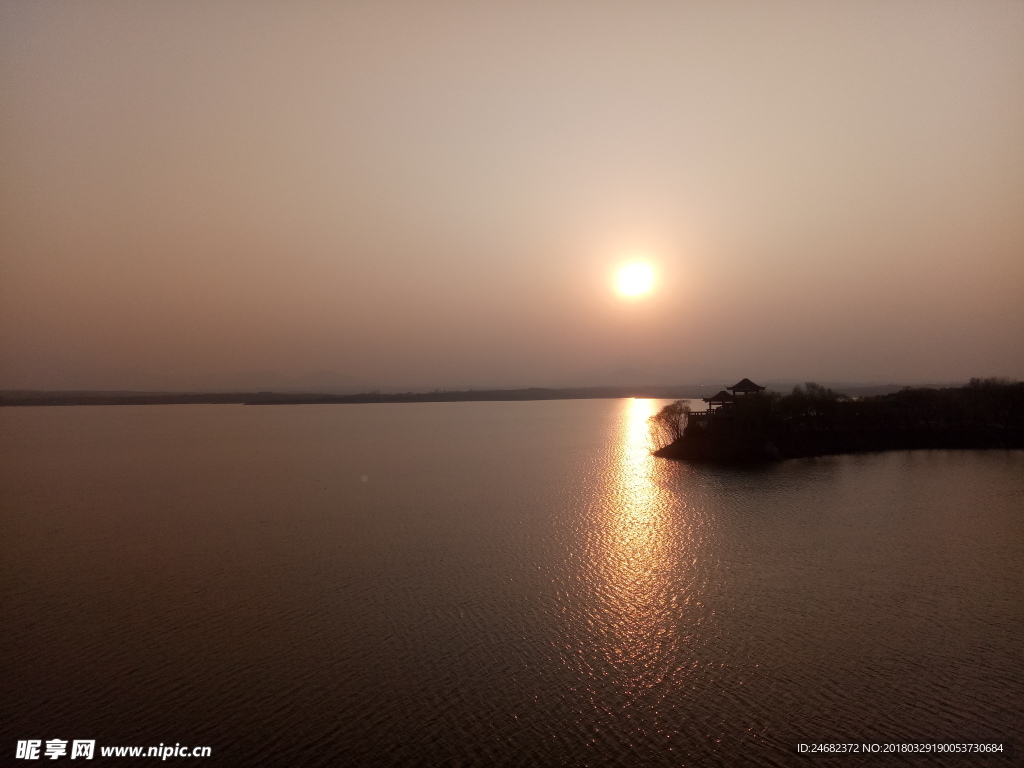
{"points": [[744, 423]]}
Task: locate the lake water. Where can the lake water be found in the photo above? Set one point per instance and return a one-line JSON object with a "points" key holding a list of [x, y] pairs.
{"points": [[476, 584]]}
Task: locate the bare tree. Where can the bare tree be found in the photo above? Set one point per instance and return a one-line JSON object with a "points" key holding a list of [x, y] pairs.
{"points": [[667, 425]]}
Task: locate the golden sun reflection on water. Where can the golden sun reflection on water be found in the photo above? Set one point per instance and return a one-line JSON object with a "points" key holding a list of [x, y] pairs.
{"points": [[636, 557]]}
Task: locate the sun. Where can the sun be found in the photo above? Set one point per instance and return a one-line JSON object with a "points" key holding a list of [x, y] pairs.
{"points": [[635, 279]]}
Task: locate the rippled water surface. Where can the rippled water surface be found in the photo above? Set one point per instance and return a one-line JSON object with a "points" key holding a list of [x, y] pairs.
{"points": [[485, 584]]}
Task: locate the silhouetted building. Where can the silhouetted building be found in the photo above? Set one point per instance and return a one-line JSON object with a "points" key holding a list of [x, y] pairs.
{"points": [[721, 399], [720, 404], [745, 387]]}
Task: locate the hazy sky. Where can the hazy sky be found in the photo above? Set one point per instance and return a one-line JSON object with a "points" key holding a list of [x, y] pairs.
{"points": [[430, 194]]}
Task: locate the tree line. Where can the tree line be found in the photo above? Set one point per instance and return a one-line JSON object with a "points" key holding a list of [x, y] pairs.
{"points": [[985, 411]]}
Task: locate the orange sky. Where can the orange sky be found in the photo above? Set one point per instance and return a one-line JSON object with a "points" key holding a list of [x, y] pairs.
{"points": [[436, 194]]}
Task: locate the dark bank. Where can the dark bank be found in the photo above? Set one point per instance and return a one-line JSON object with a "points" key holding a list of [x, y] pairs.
{"points": [[745, 423]]}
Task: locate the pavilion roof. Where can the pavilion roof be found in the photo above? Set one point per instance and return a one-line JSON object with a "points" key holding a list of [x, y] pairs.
{"points": [[746, 385], [721, 397]]}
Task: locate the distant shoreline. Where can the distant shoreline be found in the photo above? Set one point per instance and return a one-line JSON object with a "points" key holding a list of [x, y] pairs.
{"points": [[29, 397], [39, 398]]}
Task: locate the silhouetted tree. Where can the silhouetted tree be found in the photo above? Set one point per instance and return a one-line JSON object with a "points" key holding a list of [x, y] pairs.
{"points": [[667, 425], [811, 402]]}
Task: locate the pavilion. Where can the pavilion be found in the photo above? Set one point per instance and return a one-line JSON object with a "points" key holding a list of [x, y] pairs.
{"points": [[745, 387], [720, 403], [721, 399]]}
